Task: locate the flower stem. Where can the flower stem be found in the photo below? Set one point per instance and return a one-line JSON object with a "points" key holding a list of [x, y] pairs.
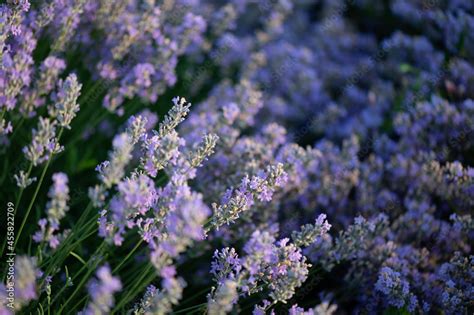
{"points": [[84, 279], [128, 256], [17, 204], [43, 173]]}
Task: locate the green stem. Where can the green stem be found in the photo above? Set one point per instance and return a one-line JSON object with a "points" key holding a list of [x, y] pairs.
{"points": [[2, 114], [84, 299], [136, 288], [56, 261], [84, 278], [84, 266], [78, 257], [71, 236], [45, 169], [25, 218], [17, 204], [128, 256], [83, 216], [191, 308], [192, 297], [22, 189], [16, 128]]}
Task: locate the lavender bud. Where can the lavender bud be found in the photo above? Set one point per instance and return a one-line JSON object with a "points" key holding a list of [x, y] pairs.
{"points": [[44, 143], [66, 105], [310, 233], [112, 171], [175, 116], [260, 187], [22, 179]]}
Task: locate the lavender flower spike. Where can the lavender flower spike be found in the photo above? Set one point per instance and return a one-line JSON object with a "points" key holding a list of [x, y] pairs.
{"points": [[66, 105], [160, 302], [259, 187], [310, 233], [175, 116], [59, 195], [44, 143], [101, 291], [397, 290], [56, 209], [205, 149], [69, 23], [22, 179], [112, 171]]}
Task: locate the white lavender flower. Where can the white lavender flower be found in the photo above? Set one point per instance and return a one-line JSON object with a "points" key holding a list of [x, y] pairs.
{"points": [[66, 105], [23, 180]]}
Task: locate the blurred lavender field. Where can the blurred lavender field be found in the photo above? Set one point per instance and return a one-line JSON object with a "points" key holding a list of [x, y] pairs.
{"points": [[300, 157]]}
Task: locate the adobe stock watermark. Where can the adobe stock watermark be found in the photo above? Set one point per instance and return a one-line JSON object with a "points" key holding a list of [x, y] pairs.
{"points": [[10, 254]]}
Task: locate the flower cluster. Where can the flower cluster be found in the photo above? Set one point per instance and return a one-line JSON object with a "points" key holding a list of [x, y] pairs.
{"points": [[45, 137], [279, 267], [326, 161], [258, 188], [56, 210]]}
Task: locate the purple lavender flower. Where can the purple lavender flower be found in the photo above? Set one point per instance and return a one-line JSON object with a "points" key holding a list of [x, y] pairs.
{"points": [[259, 187], [24, 285], [48, 74], [310, 233], [56, 210], [158, 301], [304, 107], [101, 291], [44, 143], [395, 289]]}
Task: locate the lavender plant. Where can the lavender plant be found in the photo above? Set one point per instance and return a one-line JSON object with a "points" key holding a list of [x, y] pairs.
{"points": [[326, 166]]}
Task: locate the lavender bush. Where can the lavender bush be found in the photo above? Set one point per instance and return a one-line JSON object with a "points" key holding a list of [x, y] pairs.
{"points": [[237, 157]]}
